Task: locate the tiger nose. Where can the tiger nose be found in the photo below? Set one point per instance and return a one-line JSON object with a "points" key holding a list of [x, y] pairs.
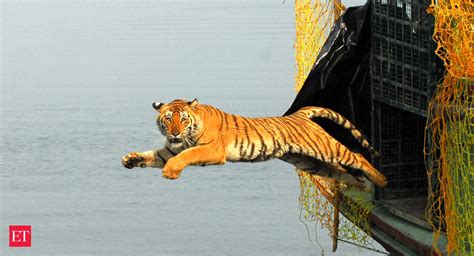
{"points": [[175, 133]]}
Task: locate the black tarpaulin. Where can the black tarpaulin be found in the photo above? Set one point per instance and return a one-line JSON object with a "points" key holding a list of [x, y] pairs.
{"points": [[340, 79]]}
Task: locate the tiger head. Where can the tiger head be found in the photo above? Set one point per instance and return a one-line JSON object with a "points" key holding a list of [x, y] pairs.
{"points": [[178, 122]]}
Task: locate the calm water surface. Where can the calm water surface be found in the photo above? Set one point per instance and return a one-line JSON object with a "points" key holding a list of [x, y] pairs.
{"points": [[78, 80]]}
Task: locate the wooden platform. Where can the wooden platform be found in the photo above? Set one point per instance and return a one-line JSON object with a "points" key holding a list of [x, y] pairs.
{"points": [[398, 225], [410, 209]]}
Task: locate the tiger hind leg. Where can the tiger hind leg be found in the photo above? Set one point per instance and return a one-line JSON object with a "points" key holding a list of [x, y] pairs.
{"points": [[314, 166], [346, 159], [341, 173], [357, 161]]}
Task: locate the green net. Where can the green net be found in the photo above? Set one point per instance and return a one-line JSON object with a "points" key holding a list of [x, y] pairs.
{"points": [[321, 199]]}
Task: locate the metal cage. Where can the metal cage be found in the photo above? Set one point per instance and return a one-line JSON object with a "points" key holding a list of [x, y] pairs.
{"points": [[400, 137], [403, 59], [403, 78]]}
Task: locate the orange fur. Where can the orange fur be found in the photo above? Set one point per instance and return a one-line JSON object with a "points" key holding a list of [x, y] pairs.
{"points": [[202, 135]]}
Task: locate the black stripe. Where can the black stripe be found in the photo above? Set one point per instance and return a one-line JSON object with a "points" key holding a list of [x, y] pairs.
{"points": [[322, 139], [331, 154], [356, 136], [324, 147], [273, 122], [263, 150], [318, 143], [330, 115], [269, 130], [226, 121], [274, 147], [283, 136], [171, 152], [252, 148], [276, 143], [301, 114], [351, 159], [272, 135], [262, 141], [346, 156], [259, 134], [221, 117], [282, 125], [236, 139], [344, 123], [277, 147], [290, 134], [249, 124], [162, 159], [300, 134], [312, 135], [343, 157], [242, 153], [246, 132], [241, 148], [235, 121]]}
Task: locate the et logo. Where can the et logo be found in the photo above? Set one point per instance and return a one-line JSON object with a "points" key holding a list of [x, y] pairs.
{"points": [[20, 236]]}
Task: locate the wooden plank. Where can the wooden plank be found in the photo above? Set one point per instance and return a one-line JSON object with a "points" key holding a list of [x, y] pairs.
{"points": [[402, 235], [410, 209], [412, 236]]}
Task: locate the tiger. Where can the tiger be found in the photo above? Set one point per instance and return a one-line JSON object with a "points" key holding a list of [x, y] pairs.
{"points": [[199, 134]]}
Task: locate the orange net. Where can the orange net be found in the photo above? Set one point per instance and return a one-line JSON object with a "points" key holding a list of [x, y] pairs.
{"points": [[451, 122]]}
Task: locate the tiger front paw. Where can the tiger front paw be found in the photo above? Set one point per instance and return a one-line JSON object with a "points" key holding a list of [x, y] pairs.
{"points": [[134, 159], [172, 170]]}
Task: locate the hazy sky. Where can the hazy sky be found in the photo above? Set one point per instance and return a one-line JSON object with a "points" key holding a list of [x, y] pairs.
{"points": [[353, 2]]}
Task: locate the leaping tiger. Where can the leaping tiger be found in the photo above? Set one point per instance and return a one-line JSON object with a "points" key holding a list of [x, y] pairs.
{"points": [[198, 134]]}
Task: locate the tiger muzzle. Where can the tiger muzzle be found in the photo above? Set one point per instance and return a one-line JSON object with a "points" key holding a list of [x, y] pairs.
{"points": [[175, 140]]}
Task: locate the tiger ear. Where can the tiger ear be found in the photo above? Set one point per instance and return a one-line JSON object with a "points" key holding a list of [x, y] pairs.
{"points": [[157, 105], [193, 104]]}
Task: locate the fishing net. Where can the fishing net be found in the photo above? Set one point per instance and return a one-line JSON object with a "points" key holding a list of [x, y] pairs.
{"points": [[320, 197], [320, 201], [451, 123], [314, 20]]}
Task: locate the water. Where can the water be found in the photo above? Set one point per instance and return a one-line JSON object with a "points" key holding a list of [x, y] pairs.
{"points": [[78, 80]]}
